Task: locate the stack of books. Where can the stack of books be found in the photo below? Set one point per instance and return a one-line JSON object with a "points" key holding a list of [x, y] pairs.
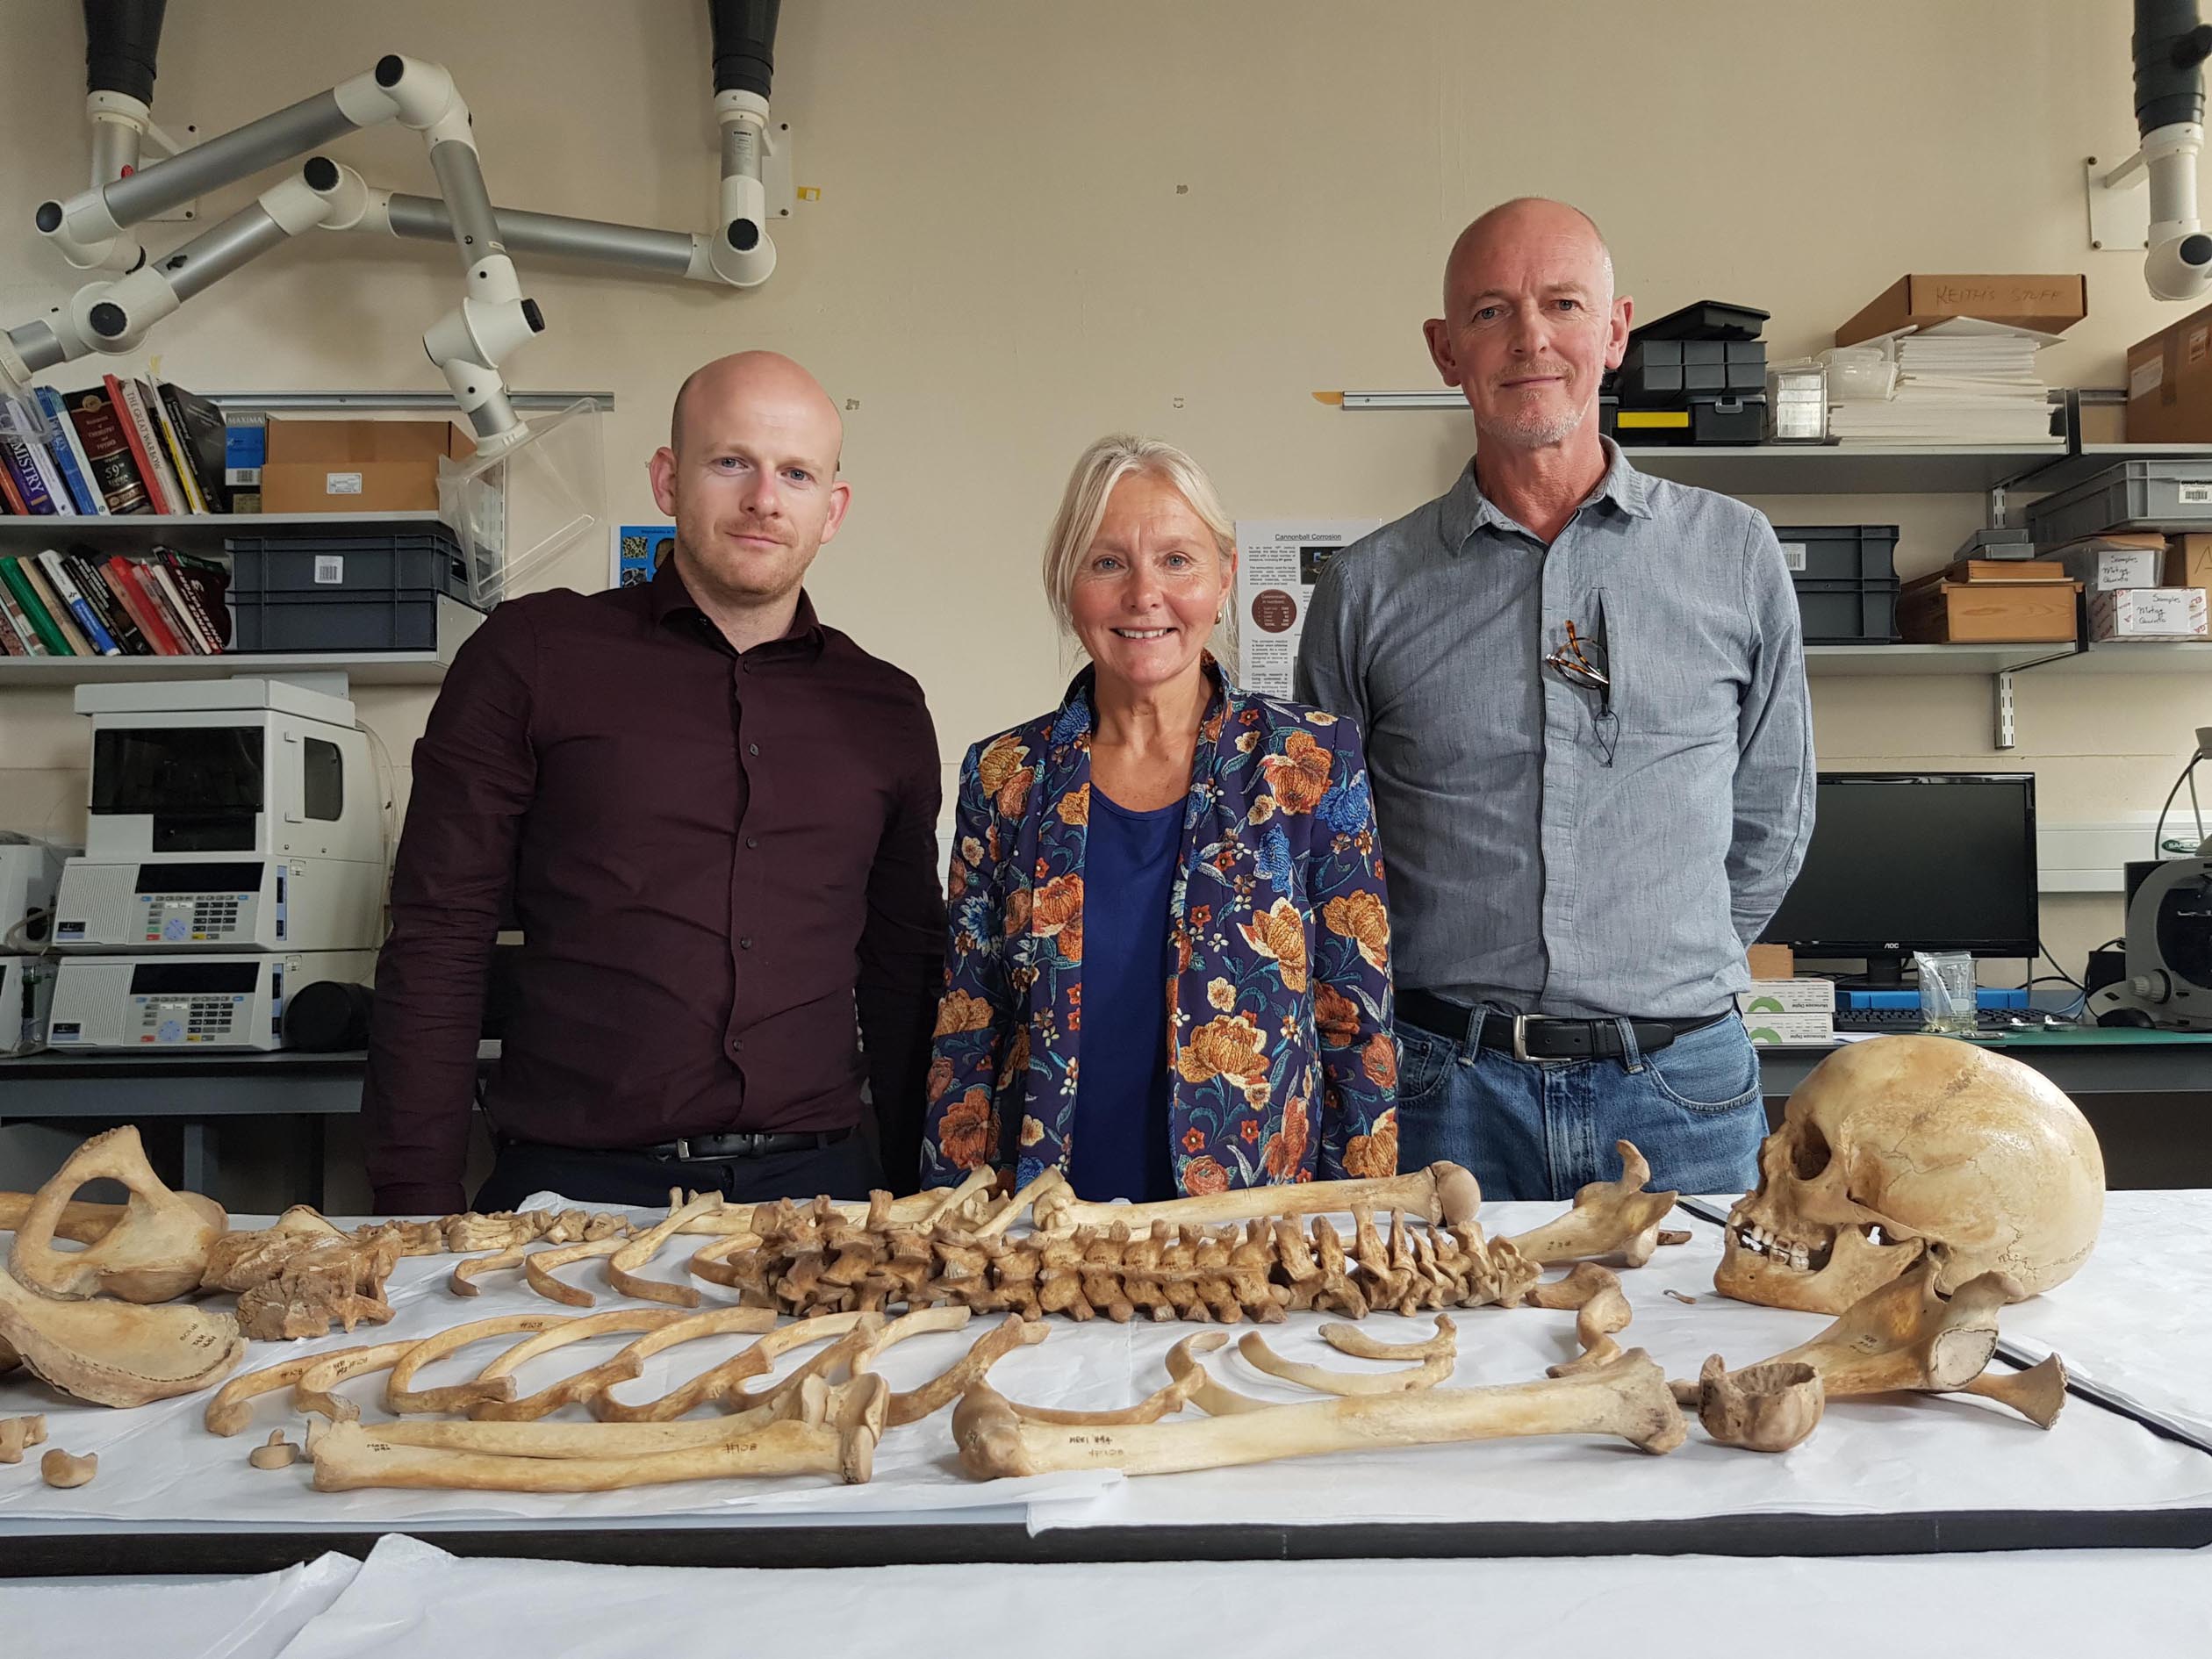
{"points": [[124, 446], [84, 603], [1958, 381]]}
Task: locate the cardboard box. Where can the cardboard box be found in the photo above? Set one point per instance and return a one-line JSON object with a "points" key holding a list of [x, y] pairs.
{"points": [[1947, 613], [2148, 613], [2189, 562], [2103, 564], [1771, 961], [2170, 383], [1787, 996], [357, 466], [2049, 305], [1769, 1031]]}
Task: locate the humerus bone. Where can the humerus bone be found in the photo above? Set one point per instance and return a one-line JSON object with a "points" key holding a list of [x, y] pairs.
{"points": [[1629, 1398], [349, 1457], [1762, 1408], [155, 1250], [17, 1432], [1609, 1216], [279, 1452], [115, 1352], [57, 1467], [1442, 1194]]}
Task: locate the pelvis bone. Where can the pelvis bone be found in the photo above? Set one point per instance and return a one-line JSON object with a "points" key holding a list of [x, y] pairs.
{"points": [[114, 1353], [155, 1249]]}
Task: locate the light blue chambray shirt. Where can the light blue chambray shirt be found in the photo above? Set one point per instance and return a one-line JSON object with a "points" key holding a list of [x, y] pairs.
{"points": [[1546, 852]]}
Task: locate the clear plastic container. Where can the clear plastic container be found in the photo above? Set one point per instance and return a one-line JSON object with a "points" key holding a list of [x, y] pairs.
{"points": [[1797, 403], [1858, 373], [517, 511], [1946, 992]]}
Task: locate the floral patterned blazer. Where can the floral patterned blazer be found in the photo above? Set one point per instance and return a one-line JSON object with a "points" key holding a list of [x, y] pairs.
{"points": [[1280, 1056]]}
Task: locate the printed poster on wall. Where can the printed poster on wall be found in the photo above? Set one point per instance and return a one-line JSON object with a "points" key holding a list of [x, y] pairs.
{"points": [[1278, 562], [634, 551]]}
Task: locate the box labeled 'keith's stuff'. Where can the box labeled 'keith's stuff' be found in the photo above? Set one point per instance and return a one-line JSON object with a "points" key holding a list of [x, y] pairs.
{"points": [[2049, 305], [357, 466]]}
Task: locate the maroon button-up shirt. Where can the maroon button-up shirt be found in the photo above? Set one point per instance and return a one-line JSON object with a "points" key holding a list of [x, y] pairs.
{"points": [[712, 857]]}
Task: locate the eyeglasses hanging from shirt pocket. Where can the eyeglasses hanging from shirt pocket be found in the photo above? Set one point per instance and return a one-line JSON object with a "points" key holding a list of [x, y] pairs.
{"points": [[1584, 660]]}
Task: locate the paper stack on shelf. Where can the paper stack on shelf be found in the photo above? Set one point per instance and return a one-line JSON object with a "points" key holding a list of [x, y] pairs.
{"points": [[1964, 380]]}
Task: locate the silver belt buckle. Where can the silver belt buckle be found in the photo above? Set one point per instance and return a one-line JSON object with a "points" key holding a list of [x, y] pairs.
{"points": [[1520, 1039], [683, 1150]]}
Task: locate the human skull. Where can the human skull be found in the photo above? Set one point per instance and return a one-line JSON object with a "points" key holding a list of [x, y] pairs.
{"points": [[1901, 1145]]}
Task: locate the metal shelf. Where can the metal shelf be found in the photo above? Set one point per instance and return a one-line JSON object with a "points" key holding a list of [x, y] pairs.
{"points": [[2137, 656], [1852, 469], [186, 531], [456, 623], [1851, 661]]}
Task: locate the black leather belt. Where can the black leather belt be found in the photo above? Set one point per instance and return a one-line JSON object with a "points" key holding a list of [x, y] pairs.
{"points": [[1531, 1037], [712, 1148]]}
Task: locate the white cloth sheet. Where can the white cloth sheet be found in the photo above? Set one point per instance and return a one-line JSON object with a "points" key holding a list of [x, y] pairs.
{"points": [[410, 1598], [159, 1465]]}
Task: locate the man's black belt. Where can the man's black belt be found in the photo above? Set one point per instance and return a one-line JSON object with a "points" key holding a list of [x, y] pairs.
{"points": [[1530, 1037], [711, 1148]]}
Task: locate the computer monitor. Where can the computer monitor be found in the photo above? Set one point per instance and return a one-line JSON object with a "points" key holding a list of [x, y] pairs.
{"points": [[1904, 861]]}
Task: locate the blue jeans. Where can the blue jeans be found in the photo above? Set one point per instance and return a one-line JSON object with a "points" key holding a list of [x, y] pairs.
{"points": [[1539, 1129]]}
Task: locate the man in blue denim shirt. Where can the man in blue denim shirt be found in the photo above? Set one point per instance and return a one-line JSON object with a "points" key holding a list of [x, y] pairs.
{"points": [[1591, 748]]}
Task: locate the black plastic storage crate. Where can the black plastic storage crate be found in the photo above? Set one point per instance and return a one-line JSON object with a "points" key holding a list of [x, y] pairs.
{"points": [[1662, 371], [1839, 552], [1707, 319], [365, 592], [1863, 612]]}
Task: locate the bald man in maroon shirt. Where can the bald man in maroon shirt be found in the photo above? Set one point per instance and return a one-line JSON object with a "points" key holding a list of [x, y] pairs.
{"points": [[715, 821]]}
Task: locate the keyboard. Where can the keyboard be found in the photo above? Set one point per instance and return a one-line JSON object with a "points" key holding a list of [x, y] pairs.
{"points": [[1992, 1021]]}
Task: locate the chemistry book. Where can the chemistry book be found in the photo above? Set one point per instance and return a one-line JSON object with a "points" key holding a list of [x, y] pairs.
{"points": [[39, 459], [26, 489]]}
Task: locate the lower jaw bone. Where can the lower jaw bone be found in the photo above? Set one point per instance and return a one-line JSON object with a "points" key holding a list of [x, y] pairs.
{"points": [[1855, 1266]]}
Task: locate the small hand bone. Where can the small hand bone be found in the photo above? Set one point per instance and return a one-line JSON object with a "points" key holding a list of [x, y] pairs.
{"points": [[279, 1452], [1609, 1216], [19, 1433], [1600, 1310], [57, 1467]]}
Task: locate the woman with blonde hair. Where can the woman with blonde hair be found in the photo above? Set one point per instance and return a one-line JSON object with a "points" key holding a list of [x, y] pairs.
{"points": [[1169, 960]]}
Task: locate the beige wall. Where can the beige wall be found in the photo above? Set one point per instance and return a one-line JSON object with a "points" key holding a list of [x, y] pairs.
{"points": [[1040, 221]]}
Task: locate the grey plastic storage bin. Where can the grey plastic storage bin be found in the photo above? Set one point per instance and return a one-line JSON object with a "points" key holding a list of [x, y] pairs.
{"points": [[357, 592], [2130, 495]]}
